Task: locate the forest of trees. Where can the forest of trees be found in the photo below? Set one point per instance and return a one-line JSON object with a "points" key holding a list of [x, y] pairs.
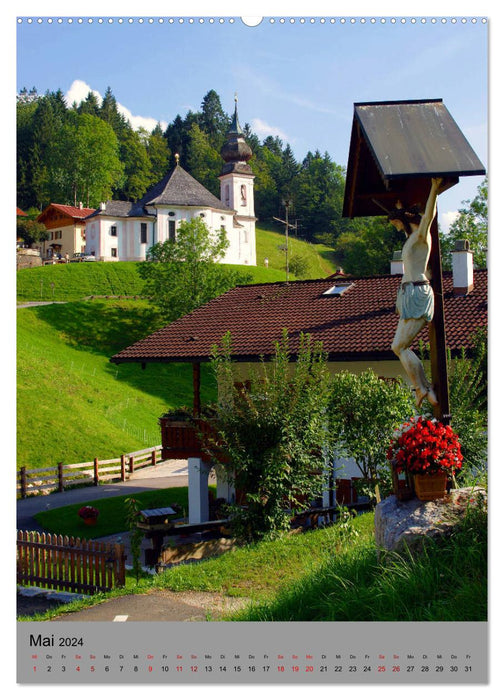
{"points": [[89, 153]]}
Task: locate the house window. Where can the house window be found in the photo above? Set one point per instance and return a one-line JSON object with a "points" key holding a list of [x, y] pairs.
{"points": [[113, 230], [113, 252], [143, 233], [171, 230]]}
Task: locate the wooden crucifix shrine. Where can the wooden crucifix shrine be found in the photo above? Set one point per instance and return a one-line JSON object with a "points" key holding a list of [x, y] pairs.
{"points": [[402, 155]]}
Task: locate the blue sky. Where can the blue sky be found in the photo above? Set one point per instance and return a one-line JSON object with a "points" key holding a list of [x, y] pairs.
{"points": [[295, 79]]}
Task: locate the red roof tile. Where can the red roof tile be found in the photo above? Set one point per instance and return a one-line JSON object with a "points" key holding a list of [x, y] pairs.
{"points": [[74, 212], [359, 324]]}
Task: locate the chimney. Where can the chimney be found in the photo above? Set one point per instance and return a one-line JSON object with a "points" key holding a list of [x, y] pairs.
{"points": [[396, 264], [103, 206], [81, 206], [462, 257]]}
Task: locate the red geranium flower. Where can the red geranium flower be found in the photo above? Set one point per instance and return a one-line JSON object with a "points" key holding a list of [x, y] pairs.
{"points": [[425, 446]]}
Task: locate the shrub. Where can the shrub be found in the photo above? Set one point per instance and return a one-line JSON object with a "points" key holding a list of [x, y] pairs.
{"points": [[273, 433], [365, 410]]}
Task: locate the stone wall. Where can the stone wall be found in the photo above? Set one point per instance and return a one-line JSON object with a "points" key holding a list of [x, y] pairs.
{"points": [[27, 257]]}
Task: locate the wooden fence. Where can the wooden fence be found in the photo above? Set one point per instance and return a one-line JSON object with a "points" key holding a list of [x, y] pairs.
{"points": [[36, 481], [68, 563]]}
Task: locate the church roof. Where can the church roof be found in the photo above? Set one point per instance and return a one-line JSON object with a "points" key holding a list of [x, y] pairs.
{"points": [[178, 188], [354, 318], [114, 207]]}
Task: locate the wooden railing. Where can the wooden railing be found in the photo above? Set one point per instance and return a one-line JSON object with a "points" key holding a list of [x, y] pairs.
{"points": [[36, 481], [69, 564]]}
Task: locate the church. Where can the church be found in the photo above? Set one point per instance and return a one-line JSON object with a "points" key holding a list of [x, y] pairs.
{"points": [[120, 230]]}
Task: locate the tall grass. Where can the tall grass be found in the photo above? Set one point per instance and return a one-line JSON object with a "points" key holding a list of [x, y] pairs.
{"points": [[446, 580]]}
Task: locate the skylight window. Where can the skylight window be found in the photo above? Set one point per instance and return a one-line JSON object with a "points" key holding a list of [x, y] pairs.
{"points": [[337, 290]]}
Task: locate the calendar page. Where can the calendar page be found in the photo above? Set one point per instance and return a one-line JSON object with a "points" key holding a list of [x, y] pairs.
{"points": [[252, 319]]}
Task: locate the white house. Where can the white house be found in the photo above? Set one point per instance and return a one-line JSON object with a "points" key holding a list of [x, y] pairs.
{"points": [[120, 230]]}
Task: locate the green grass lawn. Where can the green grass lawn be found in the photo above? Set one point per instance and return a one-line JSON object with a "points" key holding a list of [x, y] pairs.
{"points": [[73, 404], [319, 259], [112, 513]]}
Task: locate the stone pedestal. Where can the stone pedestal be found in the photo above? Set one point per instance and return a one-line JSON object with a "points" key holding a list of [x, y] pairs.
{"points": [[405, 523]]}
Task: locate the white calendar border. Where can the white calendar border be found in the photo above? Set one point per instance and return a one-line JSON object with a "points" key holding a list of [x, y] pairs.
{"points": [[277, 9]]}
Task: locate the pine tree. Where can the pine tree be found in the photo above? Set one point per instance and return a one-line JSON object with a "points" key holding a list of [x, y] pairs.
{"points": [[159, 154]]}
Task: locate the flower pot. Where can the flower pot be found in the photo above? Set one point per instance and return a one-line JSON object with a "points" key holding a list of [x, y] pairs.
{"points": [[429, 487], [90, 521]]}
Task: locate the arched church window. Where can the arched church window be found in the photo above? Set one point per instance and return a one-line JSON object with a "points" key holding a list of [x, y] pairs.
{"points": [[243, 192]]}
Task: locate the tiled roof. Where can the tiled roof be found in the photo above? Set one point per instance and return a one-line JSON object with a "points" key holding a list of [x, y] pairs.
{"points": [[113, 207], [74, 212], [178, 188], [359, 324]]}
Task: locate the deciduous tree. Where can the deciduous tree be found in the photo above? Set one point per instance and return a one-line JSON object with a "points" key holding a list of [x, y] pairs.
{"points": [[182, 274]]}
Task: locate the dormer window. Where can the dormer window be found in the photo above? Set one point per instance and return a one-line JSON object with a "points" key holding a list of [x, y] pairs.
{"points": [[338, 289]]}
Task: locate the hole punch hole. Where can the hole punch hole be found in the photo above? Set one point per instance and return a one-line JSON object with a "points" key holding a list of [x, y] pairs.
{"points": [[252, 21]]}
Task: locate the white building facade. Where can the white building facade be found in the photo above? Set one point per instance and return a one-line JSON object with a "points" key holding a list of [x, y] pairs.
{"points": [[125, 230]]}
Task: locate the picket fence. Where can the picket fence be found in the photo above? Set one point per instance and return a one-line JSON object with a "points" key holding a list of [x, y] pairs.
{"points": [[40, 481], [69, 564]]}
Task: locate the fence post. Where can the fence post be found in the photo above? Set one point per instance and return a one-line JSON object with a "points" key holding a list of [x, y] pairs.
{"points": [[23, 482], [131, 464], [96, 474], [61, 486], [123, 468], [153, 458]]}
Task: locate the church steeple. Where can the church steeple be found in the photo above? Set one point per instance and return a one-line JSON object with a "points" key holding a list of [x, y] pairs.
{"points": [[236, 152], [237, 188]]}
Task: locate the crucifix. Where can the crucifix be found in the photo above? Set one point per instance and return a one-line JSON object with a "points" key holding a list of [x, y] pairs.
{"points": [[402, 156]]}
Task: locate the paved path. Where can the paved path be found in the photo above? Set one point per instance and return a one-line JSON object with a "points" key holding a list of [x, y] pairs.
{"points": [[158, 606], [164, 475]]}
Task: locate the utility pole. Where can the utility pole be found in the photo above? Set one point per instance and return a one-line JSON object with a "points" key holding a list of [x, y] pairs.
{"points": [[286, 203]]}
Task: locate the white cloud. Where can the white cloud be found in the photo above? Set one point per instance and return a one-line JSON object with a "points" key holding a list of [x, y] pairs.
{"points": [[447, 219], [262, 129], [79, 90]]}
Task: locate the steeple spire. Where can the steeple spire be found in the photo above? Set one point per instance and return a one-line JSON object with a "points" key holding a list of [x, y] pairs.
{"points": [[235, 127]]}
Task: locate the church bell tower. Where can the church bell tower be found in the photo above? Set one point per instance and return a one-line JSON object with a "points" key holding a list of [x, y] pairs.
{"points": [[237, 187]]}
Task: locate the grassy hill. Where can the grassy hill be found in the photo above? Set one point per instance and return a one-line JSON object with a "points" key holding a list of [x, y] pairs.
{"points": [[317, 258], [77, 281], [72, 403]]}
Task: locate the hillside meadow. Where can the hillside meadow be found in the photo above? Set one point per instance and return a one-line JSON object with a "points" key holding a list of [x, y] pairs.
{"points": [[74, 281], [72, 403]]}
